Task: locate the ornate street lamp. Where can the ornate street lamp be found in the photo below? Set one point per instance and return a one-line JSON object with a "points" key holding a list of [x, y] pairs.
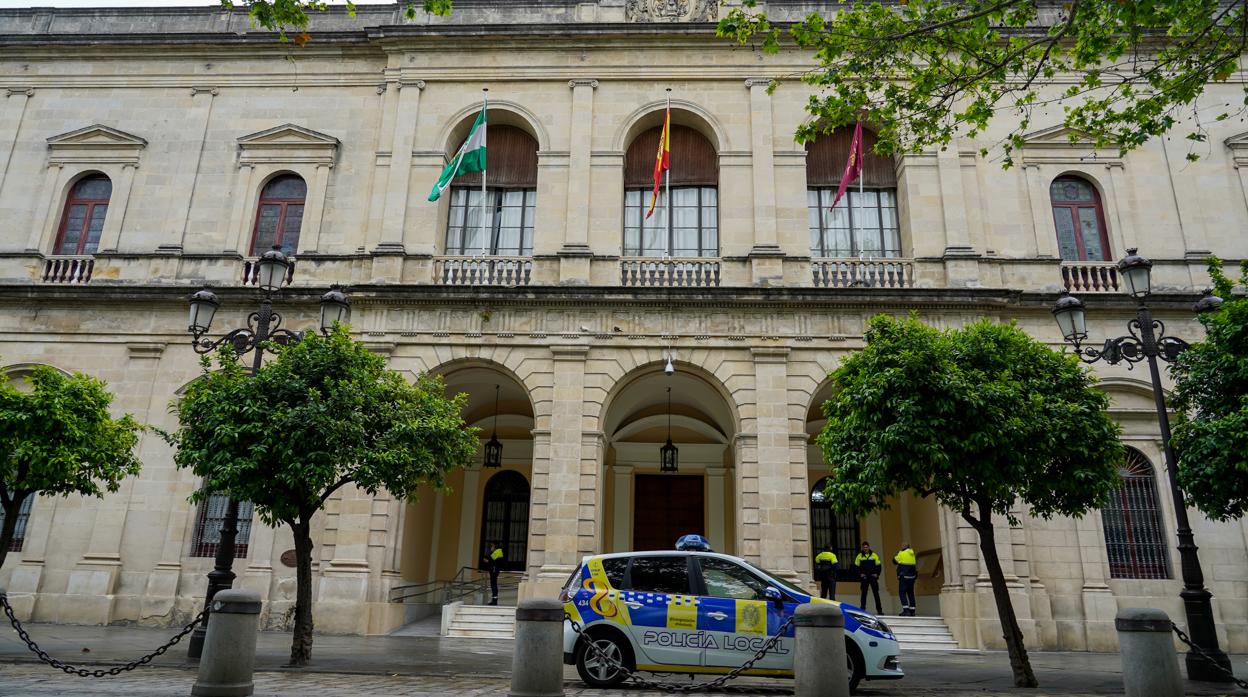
{"points": [[668, 453], [1147, 340], [493, 448], [263, 328]]}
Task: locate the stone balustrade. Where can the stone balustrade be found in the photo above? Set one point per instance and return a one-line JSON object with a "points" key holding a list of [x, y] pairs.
{"points": [[1090, 276], [482, 271], [862, 273], [67, 269], [670, 272]]}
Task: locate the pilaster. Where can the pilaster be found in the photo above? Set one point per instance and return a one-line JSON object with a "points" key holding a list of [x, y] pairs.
{"points": [[343, 589], [181, 192], [12, 115], [766, 258], [768, 530], [393, 227], [575, 254]]}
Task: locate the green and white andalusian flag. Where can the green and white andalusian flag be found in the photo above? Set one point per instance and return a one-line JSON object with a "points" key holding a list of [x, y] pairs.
{"points": [[469, 159]]}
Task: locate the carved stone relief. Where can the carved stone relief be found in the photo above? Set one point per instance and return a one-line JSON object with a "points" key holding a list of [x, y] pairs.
{"points": [[670, 10]]}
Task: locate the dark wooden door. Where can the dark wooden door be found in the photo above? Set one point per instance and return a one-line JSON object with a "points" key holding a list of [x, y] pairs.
{"points": [[666, 506]]}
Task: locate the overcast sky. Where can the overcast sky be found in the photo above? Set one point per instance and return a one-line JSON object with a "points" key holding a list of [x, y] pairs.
{"points": [[138, 3]]}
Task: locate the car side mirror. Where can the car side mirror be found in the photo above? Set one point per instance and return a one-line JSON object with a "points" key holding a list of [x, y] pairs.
{"points": [[774, 595]]}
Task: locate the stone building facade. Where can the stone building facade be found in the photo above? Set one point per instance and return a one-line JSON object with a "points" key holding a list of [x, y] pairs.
{"points": [[145, 153]]}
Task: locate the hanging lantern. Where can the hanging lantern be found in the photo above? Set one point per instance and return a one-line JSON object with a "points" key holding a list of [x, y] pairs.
{"points": [[668, 453], [493, 448]]}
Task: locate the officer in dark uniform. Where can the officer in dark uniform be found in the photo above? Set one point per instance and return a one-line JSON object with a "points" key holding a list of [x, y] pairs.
{"points": [[494, 562], [826, 565], [868, 565], [907, 574]]}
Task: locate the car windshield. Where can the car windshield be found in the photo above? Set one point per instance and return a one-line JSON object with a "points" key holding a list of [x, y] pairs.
{"points": [[788, 588]]}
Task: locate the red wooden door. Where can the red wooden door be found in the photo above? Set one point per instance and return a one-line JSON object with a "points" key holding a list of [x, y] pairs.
{"points": [[666, 506]]}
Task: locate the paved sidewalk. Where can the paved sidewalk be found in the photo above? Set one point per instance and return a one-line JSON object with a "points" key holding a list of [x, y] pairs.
{"points": [[426, 666]]}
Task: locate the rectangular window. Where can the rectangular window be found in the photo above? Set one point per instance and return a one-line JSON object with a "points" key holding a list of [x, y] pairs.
{"points": [[692, 232], [208, 527], [19, 532], [508, 222], [861, 225]]}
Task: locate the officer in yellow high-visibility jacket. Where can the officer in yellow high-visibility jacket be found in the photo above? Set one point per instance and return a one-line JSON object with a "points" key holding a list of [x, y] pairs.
{"points": [[494, 561], [907, 574], [869, 565], [826, 565]]}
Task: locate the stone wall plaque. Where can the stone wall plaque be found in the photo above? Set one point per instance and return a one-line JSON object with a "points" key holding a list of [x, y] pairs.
{"points": [[288, 558], [670, 10]]}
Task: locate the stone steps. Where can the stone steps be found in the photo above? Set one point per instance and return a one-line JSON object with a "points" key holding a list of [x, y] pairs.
{"points": [[922, 633], [483, 622]]}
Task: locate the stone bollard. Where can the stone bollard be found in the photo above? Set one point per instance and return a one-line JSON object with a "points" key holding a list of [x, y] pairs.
{"points": [[1150, 663], [229, 657], [819, 665], [537, 664]]}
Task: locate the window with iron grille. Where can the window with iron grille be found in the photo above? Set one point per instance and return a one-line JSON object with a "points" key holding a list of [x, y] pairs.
{"points": [[831, 527], [1135, 538], [19, 532], [208, 526]]}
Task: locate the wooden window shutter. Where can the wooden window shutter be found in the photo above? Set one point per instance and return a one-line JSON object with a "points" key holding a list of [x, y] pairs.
{"points": [[827, 155], [511, 157], [694, 160]]}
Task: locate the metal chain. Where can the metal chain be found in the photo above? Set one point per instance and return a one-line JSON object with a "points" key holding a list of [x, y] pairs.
{"points": [[1243, 684], [97, 673], [680, 687]]}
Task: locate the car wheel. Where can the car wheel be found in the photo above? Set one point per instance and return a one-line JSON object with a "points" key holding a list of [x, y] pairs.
{"points": [[856, 666], [595, 671]]}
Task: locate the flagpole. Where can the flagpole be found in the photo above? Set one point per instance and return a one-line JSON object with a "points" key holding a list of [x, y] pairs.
{"points": [[667, 171], [485, 104]]}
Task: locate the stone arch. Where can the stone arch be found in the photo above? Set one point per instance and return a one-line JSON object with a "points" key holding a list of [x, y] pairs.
{"points": [[684, 112], [624, 373], [531, 371], [500, 112], [22, 369]]}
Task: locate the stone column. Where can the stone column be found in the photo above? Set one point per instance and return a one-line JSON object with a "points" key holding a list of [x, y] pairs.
{"points": [[468, 516], [717, 529], [393, 222], [12, 115], [189, 154], [766, 258], [764, 469], [343, 589], [622, 539], [799, 501], [563, 523], [575, 254]]}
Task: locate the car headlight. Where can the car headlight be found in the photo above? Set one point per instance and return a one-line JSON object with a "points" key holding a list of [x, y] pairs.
{"points": [[869, 621]]}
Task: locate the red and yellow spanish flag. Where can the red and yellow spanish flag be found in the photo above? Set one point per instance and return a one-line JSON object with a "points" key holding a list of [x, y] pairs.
{"points": [[663, 160]]}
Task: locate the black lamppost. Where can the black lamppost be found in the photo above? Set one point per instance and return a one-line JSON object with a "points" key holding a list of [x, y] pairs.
{"points": [[1148, 341], [262, 327]]}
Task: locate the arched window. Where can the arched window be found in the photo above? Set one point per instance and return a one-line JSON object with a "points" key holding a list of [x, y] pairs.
{"points": [[1080, 220], [693, 228], [510, 199], [864, 221], [19, 532], [505, 518], [279, 215], [83, 219], [838, 529], [208, 526], [1134, 536]]}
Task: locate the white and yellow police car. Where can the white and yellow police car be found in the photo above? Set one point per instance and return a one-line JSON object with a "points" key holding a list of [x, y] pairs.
{"points": [[690, 611]]}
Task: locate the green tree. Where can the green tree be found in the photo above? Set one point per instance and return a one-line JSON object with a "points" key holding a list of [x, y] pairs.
{"points": [[1119, 71], [58, 437], [325, 413], [1211, 398], [281, 15], [980, 418]]}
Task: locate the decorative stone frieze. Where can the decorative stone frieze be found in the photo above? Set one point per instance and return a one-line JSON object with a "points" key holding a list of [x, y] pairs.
{"points": [[670, 10]]}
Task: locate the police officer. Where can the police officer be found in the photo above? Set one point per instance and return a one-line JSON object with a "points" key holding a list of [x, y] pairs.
{"points": [[868, 564], [494, 562], [907, 574], [826, 565]]}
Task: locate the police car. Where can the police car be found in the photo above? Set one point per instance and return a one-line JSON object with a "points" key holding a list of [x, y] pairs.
{"points": [[695, 611]]}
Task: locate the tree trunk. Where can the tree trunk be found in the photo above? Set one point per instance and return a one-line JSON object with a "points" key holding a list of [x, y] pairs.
{"points": [[301, 641], [10, 526], [1019, 663]]}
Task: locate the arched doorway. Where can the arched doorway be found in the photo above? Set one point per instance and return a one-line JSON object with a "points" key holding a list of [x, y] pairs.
{"points": [[505, 518], [831, 527], [646, 507]]}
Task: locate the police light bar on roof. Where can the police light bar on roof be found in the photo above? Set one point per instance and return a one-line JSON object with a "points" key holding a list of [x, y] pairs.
{"points": [[693, 543]]}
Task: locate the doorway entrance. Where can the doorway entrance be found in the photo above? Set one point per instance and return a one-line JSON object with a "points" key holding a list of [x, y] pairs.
{"points": [[505, 518], [666, 506]]}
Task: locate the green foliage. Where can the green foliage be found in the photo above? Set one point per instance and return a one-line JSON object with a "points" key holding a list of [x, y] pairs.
{"points": [[983, 414], [922, 71], [1211, 397], [324, 413], [281, 15], [58, 437]]}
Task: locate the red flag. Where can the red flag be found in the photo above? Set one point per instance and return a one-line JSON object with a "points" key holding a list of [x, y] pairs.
{"points": [[663, 160], [853, 167]]}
